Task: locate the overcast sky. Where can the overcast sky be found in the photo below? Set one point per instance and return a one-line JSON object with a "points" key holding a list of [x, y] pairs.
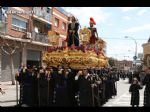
{"points": [[114, 23]]}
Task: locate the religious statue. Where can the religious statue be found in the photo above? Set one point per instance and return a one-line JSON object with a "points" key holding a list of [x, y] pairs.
{"points": [[73, 37], [94, 34]]}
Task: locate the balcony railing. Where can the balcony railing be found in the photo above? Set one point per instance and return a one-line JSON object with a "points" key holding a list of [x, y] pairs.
{"points": [[40, 37], [43, 13]]}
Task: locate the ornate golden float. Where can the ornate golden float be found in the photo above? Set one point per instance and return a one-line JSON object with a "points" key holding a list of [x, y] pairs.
{"points": [[76, 57]]}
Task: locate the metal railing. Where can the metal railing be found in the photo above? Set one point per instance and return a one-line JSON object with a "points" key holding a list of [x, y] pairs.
{"points": [[40, 37], [42, 13]]}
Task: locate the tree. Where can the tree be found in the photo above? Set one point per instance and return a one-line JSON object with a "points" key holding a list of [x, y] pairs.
{"points": [[10, 49]]}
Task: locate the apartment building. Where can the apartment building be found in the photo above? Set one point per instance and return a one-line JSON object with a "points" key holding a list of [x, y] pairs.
{"points": [[60, 21], [28, 27], [146, 53]]}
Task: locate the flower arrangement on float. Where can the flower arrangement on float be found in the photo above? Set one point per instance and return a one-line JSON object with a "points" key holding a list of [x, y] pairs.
{"points": [[75, 57]]}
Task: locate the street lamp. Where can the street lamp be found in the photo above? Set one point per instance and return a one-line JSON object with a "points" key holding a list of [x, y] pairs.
{"points": [[135, 57]]}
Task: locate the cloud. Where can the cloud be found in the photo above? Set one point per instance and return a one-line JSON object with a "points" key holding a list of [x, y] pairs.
{"points": [[137, 28], [122, 48], [141, 12], [127, 18], [110, 24], [84, 13], [126, 9]]}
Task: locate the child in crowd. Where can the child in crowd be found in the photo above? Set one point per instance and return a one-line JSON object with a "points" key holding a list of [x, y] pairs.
{"points": [[134, 89]]}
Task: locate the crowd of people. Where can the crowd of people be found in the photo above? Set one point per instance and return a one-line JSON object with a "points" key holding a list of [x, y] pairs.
{"points": [[64, 86], [138, 79]]}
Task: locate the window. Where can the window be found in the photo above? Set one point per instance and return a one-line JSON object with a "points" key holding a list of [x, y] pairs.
{"points": [[64, 26], [56, 22], [19, 24]]}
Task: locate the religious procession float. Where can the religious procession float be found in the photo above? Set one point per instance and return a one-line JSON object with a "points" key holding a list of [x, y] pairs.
{"points": [[80, 51]]}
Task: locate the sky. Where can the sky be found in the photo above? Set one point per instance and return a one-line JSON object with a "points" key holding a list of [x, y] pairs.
{"points": [[114, 23]]}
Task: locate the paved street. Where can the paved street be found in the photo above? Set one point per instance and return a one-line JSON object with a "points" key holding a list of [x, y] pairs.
{"points": [[9, 98], [123, 96]]}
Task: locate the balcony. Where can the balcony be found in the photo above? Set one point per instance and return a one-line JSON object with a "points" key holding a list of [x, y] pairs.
{"points": [[43, 14], [40, 37]]}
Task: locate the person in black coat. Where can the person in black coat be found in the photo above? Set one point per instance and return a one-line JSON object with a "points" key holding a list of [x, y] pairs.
{"points": [[103, 86], [42, 87], [72, 87], [108, 88], [146, 82], [35, 85], [134, 89], [50, 80], [61, 81], [96, 81], [113, 85], [26, 86], [130, 77], [85, 88]]}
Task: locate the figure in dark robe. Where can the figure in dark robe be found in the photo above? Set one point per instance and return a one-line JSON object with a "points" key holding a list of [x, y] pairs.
{"points": [[72, 36], [85, 89], [103, 89], [130, 77], [97, 90], [113, 85], [50, 74], [43, 87], [134, 89], [96, 81], [72, 87], [35, 85], [26, 87], [107, 87], [146, 82], [61, 81]]}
